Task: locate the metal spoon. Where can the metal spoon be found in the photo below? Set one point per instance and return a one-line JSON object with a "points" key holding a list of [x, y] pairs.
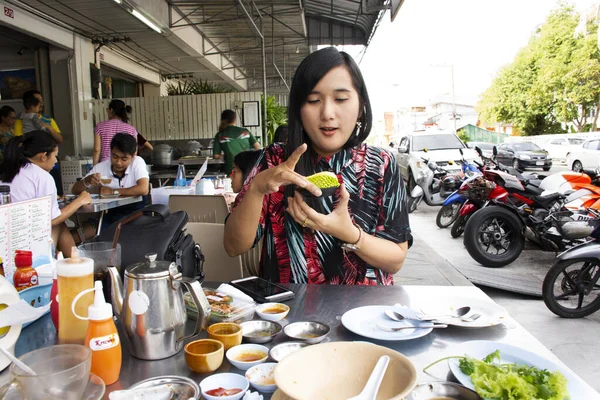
{"points": [[459, 312], [372, 387]]}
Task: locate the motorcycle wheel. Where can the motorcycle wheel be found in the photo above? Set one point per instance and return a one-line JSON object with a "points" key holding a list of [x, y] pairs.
{"points": [[458, 228], [412, 203], [447, 215], [565, 289], [494, 237]]}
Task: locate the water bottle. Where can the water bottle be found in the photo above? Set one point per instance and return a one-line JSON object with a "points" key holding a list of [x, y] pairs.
{"points": [[180, 182]]}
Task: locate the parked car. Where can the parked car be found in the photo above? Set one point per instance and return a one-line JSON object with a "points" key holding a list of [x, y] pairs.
{"points": [[559, 148], [486, 148], [523, 155], [438, 146], [585, 157]]}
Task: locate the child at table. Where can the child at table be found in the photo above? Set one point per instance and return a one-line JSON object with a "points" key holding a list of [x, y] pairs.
{"points": [[26, 167], [242, 165]]}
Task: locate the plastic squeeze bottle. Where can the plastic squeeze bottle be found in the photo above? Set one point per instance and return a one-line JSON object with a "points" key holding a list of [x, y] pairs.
{"points": [[102, 336], [54, 292]]}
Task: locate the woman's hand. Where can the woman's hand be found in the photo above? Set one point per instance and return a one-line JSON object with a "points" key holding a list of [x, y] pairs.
{"points": [[270, 180], [84, 198], [337, 224]]}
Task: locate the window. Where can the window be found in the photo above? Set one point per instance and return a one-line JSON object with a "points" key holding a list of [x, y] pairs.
{"points": [[526, 146], [557, 141], [442, 141], [592, 145], [503, 146]]}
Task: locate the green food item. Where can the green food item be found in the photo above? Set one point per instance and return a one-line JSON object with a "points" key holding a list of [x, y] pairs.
{"points": [[493, 380], [324, 180]]}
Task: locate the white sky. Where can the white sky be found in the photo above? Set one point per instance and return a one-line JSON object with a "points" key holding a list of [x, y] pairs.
{"points": [[477, 36]]}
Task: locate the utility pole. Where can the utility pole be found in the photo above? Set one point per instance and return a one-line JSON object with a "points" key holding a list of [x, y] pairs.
{"points": [[453, 98]]}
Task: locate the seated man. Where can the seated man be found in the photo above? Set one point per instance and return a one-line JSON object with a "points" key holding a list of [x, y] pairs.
{"points": [[124, 174]]}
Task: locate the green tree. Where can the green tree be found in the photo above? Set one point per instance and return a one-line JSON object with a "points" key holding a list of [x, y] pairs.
{"points": [[554, 79], [195, 86]]}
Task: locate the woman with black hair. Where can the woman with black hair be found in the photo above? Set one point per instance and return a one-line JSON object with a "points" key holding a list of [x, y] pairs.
{"points": [[358, 236], [7, 125], [26, 167], [104, 132], [243, 163]]}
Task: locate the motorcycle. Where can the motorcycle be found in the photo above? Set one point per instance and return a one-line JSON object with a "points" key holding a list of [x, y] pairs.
{"points": [[453, 203], [571, 288], [495, 234], [429, 186]]}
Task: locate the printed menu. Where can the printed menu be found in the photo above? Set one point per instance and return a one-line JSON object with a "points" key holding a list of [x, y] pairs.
{"points": [[25, 225]]}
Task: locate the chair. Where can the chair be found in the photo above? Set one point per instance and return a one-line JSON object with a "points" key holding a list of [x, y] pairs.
{"points": [[200, 208], [218, 266], [251, 260]]}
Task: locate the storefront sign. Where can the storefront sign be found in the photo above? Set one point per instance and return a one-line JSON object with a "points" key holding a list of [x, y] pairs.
{"points": [[9, 12]]}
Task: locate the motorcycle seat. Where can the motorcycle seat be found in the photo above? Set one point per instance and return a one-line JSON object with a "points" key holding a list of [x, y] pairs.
{"points": [[547, 199]]}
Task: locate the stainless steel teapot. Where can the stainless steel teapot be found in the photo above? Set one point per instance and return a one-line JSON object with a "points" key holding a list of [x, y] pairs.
{"points": [[151, 307]]}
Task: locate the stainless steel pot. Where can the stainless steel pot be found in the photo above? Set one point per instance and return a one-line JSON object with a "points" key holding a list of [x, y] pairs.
{"points": [[163, 154]]}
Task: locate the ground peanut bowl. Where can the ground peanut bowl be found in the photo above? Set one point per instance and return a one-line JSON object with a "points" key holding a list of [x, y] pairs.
{"points": [[340, 370]]}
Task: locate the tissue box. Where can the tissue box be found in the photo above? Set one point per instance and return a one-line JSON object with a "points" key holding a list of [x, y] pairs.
{"points": [[37, 296]]}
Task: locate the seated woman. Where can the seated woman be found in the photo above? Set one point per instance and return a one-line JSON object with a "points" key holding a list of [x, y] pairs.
{"points": [[26, 167], [358, 236]]}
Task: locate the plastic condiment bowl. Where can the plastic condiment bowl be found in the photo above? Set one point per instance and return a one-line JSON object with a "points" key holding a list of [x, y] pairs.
{"points": [[225, 381], [268, 312], [234, 354], [228, 333], [262, 377], [204, 355]]}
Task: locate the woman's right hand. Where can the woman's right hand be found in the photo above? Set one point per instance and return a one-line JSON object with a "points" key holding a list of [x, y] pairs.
{"points": [[270, 180], [84, 198]]}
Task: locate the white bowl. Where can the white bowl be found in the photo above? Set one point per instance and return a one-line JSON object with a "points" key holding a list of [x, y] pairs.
{"points": [[225, 381], [235, 351], [261, 376], [270, 316]]}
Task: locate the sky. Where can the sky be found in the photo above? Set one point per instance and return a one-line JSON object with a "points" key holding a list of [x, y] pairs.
{"points": [[409, 61]]}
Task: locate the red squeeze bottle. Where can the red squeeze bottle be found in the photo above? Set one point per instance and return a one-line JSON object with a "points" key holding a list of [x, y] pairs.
{"points": [[54, 292]]}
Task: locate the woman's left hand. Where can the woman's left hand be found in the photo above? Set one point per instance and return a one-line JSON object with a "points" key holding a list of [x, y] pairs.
{"points": [[337, 224]]}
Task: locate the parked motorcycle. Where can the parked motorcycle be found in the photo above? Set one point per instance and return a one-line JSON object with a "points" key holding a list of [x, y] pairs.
{"points": [[429, 186], [453, 203], [571, 288]]}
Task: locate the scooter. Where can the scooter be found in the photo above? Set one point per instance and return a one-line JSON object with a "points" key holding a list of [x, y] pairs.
{"points": [[453, 203], [571, 288], [429, 186]]}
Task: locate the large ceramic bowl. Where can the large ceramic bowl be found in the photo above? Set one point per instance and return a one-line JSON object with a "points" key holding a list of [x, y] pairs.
{"points": [[340, 370]]}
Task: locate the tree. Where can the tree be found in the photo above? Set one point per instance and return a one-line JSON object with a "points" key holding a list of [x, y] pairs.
{"points": [[554, 79], [195, 86], [276, 116]]}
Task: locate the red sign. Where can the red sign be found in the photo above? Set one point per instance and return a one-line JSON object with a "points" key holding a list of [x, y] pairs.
{"points": [[9, 12]]}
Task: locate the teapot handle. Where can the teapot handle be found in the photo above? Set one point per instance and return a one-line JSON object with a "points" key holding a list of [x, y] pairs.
{"points": [[195, 289]]}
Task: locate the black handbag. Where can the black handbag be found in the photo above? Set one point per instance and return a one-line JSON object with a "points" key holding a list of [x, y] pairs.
{"points": [[153, 229]]}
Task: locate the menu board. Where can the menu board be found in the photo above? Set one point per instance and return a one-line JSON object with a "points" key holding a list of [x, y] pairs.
{"points": [[25, 225]]}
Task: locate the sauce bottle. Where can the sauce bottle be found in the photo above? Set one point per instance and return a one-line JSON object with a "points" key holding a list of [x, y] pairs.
{"points": [[25, 276], [2, 267], [102, 336]]}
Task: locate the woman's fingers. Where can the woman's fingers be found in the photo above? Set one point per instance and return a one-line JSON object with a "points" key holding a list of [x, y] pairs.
{"points": [[307, 210], [295, 156]]}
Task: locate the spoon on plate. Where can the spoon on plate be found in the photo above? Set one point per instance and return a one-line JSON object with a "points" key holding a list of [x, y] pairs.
{"points": [[458, 313], [372, 387]]}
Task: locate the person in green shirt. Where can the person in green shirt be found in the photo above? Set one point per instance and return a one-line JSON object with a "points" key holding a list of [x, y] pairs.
{"points": [[231, 140]]}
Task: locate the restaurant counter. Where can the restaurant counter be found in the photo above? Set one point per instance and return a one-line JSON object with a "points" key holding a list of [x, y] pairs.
{"points": [[327, 303]]}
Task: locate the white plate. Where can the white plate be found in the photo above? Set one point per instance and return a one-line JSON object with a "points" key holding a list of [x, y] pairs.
{"points": [[363, 321], [491, 313], [511, 354]]}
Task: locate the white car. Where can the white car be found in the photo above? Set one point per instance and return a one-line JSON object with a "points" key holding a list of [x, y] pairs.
{"points": [[585, 157], [559, 148], [440, 147]]}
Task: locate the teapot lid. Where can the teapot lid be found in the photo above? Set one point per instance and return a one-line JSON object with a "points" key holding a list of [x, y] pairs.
{"points": [[151, 268]]}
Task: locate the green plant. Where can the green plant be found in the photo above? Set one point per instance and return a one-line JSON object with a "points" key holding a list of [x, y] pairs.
{"points": [[195, 86], [276, 116], [462, 135]]}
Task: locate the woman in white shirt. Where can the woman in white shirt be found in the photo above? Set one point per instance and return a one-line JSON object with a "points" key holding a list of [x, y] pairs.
{"points": [[26, 167]]}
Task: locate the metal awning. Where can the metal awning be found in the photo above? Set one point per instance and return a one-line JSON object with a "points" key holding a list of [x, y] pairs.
{"points": [[231, 46]]}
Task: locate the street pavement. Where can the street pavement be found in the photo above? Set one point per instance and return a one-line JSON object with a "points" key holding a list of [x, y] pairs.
{"points": [[437, 259]]}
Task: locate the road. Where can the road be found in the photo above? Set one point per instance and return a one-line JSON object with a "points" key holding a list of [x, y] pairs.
{"points": [[574, 341]]}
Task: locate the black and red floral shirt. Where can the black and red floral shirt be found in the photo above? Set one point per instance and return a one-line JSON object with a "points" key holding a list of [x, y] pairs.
{"points": [[377, 204]]}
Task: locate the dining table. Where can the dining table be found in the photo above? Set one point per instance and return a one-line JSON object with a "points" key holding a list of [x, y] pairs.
{"points": [[327, 304]]}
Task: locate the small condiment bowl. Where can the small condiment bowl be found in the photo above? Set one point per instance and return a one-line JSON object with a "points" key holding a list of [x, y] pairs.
{"points": [[310, 332], [225, 381], [443, 390], [272, 311], [236, 354], [228, 333], [283, 350], [259, 331], [262, 377], [204, 355]]}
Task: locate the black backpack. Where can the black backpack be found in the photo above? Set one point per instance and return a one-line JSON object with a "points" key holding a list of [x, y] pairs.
{"points": [[153, 229]]}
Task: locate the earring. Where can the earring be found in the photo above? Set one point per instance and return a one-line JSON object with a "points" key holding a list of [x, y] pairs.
{"points": [[358, 126]]}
